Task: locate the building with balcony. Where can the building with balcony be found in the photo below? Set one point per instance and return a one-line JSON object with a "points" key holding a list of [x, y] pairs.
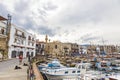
{"points": [[20, 43], [40, 47]]}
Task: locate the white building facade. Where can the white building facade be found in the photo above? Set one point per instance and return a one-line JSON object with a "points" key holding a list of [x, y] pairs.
{"points": [[20, 43]]}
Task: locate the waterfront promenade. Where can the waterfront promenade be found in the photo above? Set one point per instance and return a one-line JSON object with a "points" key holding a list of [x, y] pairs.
{"points": [[37, 74], [7, 71]]}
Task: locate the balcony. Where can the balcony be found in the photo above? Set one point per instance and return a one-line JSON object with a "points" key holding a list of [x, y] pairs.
{"points": [[20, 36]]}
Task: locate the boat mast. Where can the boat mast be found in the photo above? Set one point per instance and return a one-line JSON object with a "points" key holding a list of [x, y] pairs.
{"points": [[104, 51]]}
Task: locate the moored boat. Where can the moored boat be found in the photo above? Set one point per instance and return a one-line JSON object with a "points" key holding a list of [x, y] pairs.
{"points": [[56, 71]]}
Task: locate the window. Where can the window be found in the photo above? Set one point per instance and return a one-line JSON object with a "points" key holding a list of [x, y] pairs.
{"points": [[29, 38], [43, 46], [2, 31], [48, 47], [36, 45], [32, 44], [32, 39], [73, 71], [15, 40], [78, 71], [66, 72], [28, 43], [55, 46], [23, 35], [22, 42], [77, 45]]}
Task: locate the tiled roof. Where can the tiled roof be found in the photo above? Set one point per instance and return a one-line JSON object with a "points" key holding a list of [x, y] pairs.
{"points": [[2, 18]]}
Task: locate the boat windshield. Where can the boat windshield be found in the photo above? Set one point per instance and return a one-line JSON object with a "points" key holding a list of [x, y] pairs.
{"points": [[54, 63]]}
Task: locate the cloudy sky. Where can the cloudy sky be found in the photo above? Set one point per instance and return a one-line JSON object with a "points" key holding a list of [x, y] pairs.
{"points": [[78, 21]]}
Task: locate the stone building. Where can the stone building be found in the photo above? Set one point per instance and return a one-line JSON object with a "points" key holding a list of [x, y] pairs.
{"points": [[101, 49], [74, 48], [3, 36], [59, 48], [108, 48], [54, 48]]}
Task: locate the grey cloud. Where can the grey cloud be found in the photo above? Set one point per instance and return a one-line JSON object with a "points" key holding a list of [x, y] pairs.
{"points": [[42, 12], [19, 14], [90, 37], [67, 15], [39, 17], [3, 10], [81, 17], [43, 30], [94, 13], [21, 6], [86, 35], [49, 6], [29, 24]]}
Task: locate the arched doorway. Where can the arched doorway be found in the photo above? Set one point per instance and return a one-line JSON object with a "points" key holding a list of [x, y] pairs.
{"points": [[31, 54], [27, 54], [13, 55]]}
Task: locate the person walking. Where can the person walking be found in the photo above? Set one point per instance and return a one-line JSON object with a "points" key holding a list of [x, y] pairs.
{"points": [[20, 59]]}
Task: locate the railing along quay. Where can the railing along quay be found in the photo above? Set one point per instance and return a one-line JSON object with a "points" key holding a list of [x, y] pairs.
{"points": [[33, 71]]}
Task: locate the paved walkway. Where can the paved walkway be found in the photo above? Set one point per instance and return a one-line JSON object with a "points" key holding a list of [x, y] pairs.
{"points": [[37, 72], [7, 71]]}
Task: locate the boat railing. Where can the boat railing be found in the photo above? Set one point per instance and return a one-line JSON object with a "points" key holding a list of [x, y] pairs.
{"points": [[83, 65]]}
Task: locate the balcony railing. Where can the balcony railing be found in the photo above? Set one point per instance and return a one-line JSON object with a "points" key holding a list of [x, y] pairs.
{"points": [[21, 36]]}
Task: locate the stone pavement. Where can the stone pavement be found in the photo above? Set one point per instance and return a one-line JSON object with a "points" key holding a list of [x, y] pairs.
{"points": [[7, 71], [37, 72]]}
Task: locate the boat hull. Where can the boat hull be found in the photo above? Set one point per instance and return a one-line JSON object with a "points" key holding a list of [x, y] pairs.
{"points": [[63, 77]]}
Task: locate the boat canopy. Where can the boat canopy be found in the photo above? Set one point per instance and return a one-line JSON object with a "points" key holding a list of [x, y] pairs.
{"points": [[54, 63]]}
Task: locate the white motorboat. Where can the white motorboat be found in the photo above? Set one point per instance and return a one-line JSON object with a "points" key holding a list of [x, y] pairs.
{"points": [[103, 65], [114, 76], [56, 71], [115, 65]]}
